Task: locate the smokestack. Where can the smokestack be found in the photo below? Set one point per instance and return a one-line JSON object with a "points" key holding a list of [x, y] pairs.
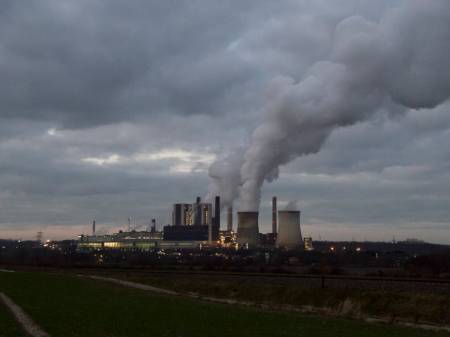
{"points": [[210, 233], [198, 212], [274, 215], [247, 232], [93, 227], [289, 232], [217, 211], [230, 219]]}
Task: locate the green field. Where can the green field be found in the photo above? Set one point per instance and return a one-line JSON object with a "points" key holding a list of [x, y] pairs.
{"points": [[405, 305], [67, 306], [8, 326]]}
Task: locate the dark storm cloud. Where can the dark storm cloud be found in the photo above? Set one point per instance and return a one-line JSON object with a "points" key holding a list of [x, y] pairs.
{"points": [[91, 62], [110, 109]]}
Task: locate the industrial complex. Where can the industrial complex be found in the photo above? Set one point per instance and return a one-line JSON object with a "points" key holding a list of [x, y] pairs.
{"points": [[198, 225]]}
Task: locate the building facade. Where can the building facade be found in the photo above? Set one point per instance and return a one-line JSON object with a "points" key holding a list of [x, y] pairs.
{"points": [[192, 214]]}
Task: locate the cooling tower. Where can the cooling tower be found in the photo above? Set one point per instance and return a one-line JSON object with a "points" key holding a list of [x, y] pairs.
{"points": [[289, 233], [247, 231]]}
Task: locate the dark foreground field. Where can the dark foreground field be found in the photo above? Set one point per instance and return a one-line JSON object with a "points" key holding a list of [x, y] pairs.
{"points": [[405, 303], [8, 326], [67, 306]]}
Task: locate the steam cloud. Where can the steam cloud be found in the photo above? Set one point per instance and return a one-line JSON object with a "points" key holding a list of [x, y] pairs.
{"points": [[291, 206], [401, 61], [226, 177]]}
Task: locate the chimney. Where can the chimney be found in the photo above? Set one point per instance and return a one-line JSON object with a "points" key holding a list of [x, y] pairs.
{"points": [[210, 233], [93, 227], [230, 219], [274, 215], [198, 212], [217, 212]]}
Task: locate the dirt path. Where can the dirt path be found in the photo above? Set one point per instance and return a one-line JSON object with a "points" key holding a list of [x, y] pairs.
{"points": [[133, 285], [22, 318]]}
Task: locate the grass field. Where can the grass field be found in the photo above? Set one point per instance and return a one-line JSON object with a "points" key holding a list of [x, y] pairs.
{"points": [[8, 326], [68, 306], [407, 305]]}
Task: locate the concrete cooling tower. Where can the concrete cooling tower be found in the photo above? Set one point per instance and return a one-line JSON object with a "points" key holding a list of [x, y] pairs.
{"points": [[247, 231], [289, 233]]}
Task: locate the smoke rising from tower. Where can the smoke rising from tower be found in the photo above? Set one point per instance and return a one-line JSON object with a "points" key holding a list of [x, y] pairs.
{"points": [[401, 61], [225, 177]]}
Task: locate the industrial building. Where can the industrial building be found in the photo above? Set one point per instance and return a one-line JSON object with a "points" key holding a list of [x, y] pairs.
{"points": [[192, 214], [143, 240], [194, 222], [191, 233], [194, 225], [183, 215]]}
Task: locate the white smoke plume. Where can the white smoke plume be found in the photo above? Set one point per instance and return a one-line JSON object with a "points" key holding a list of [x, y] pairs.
{"points": [[291, 206], [401, 60], [225, 177]]}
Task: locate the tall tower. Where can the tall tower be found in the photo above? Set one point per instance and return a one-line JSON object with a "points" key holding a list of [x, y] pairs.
{"points": [[93, 227], [230, 219], [198, 212], [217, 211], [274, 215], [39, 237]]}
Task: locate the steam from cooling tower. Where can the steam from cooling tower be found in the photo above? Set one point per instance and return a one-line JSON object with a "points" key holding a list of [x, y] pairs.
{"points": [[291, 206], [400, 62], [225, 177]]}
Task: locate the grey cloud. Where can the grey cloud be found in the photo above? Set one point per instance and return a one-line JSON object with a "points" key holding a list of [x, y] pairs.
{"points": [[90, 63], [94, 80]]}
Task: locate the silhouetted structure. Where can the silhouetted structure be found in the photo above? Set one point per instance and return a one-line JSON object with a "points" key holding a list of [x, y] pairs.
{"points": [[274, 215], [248, 231]]}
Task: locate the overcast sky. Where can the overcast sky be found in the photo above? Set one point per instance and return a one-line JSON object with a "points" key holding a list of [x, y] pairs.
{"points": [[116, 109]]}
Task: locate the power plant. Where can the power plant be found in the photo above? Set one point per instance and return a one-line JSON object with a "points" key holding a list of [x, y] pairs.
{"points": [[197, 224], [248, 230], [289, 232]]}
